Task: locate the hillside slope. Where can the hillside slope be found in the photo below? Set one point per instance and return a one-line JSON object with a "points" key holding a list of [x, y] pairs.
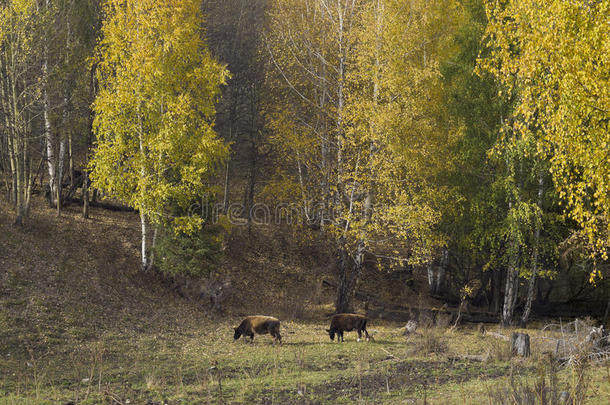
{"points": [[76, 278], [73, 278]]}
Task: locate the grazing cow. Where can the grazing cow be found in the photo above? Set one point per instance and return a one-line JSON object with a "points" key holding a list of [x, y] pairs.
{"points": [[346, 323], [259, 324]]}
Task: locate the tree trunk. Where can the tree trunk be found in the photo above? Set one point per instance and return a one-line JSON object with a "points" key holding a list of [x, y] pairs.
{"points": [[343, 303], [20, 217], [431, 283], [249, 200], [11, 138], [11, 151], [10, 142], [509, 293], [46, 107], [606, 314], [30, 182], [49, 145], [142, 210], [86, 184], [86, 195], [306, 211], [436, 278], [151, 261], [4, 165], [20, 151], [532, 282], [442, 270], [24, 178], [225, 199], [60, 173], [340, 105], [67, 106], [254, 155], [71, 160], [144, 251], [20, 212]]}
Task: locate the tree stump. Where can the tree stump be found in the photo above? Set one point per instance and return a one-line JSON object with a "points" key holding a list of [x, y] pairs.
{"points": [[520, 344], [410, 328]]}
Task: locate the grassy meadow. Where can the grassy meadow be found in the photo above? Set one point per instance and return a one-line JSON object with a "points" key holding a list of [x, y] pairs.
{"points": [[204, 365]]}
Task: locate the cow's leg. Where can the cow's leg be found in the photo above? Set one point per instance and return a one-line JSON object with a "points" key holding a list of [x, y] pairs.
{"points": [[366, 333], [277, 336], [359, 335], [252, 338], [342, 340]]}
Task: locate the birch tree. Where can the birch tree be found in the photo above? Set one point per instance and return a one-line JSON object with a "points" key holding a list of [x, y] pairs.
{"points": [[158, 84], [555, 55], [552, 61]]}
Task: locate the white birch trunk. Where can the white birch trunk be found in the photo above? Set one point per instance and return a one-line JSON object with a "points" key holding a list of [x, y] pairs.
{"points": [[142, 208], [47, 124], [430, 270], [144, 251]]}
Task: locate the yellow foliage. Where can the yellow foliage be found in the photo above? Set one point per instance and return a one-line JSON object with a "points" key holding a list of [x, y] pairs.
{"points": [[553, 57], [155, 108]]}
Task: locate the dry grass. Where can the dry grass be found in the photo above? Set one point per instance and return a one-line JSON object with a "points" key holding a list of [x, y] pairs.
{"points": [[430, 341]]}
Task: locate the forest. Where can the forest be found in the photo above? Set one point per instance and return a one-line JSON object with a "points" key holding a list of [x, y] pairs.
{"points": [[168, 167]]}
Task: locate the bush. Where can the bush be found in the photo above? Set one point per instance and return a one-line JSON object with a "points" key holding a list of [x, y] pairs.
{"points": [[193, 255]]}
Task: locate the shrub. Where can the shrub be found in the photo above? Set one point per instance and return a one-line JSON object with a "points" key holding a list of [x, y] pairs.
{"points": [[193, 255]]}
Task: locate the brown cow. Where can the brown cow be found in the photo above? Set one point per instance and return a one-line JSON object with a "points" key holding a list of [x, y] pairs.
{"points": [[346, 323], [259, 324]]}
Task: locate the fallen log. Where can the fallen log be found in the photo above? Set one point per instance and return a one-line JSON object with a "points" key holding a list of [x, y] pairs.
{"points": [[498, 336]]}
